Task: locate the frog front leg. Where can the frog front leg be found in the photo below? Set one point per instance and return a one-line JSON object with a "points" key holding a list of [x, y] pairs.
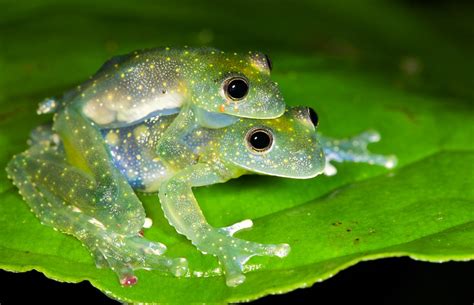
{"points": [[182, 211], [353, 150], [172, 146]]}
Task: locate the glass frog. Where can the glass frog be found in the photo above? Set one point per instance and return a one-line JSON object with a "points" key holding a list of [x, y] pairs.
{"points": [[88, 190], [218, 87]]}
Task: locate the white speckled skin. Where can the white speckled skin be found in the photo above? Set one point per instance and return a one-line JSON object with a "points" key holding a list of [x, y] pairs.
{"points": [[80, 177], [131, 87]]}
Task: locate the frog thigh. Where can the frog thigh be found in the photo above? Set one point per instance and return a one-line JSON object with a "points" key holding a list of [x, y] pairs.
{"points": [[40, 171], [84, 146], [118, 247]]}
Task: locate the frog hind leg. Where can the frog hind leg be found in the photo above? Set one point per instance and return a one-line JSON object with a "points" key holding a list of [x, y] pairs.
{"points": [[354, 150], [35, 173]]}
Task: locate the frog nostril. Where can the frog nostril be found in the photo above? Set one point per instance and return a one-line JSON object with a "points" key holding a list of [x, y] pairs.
{"points": [[313, 116]]}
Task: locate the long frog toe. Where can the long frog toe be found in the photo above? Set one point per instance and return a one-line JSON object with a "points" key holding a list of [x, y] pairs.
{"points": [[239, 226], [125, 254], [387, 161], [233, 253], [354, 150], [360, 143], [234, 257], [369, 136]]}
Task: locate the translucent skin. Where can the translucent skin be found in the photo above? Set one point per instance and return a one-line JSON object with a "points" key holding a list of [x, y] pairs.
{"points": [[131, 87], [81, 181]]}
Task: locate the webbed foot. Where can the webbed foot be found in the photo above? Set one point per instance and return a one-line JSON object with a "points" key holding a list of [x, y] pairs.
{"points": [[125, 254], [233, 253], [354, 150]]}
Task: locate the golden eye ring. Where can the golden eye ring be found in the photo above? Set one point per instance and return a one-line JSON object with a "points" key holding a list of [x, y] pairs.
{"points": [[236, 88], [259, 140]]}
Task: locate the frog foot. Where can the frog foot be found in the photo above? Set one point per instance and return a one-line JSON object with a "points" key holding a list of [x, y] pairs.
{"points": [[360, 143], [355, 150], [125, 254], [233, 253]]}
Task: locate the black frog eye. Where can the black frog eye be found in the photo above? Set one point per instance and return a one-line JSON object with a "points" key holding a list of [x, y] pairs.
{"points": [[269, 62], [236, 88], [259, 140], [313, 116]]}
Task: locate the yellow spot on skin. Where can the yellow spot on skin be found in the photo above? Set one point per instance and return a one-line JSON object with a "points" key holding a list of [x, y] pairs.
{"points": [[140, 132], [122, 75], [111, 138], [222, 108]]}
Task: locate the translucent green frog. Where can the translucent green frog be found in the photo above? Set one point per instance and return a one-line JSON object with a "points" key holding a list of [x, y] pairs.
{"points": [[80, 175]]}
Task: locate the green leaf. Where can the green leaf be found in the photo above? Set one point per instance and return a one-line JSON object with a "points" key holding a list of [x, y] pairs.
{"points": [[361, 66]]}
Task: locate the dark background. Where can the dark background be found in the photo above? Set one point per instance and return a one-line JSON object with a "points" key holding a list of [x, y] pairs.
{"points": [[383, 282], [386, 281]]}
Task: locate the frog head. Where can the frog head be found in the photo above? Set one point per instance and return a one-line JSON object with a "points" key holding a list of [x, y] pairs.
{"points": [[234, 84], [286, 146]]}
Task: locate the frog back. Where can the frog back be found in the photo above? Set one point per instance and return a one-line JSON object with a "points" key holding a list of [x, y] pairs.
{"points": [[130, 88]]}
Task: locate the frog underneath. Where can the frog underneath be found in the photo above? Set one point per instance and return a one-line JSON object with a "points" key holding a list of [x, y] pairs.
{"points": [[70, 190]]}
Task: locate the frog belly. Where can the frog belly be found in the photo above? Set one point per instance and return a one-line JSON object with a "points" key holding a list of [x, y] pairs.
{"points": [[132, 150], [142, 174]]}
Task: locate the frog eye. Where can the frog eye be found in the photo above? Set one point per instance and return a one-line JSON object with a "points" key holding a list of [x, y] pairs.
{"points": [[313, 116], [269, 62], [236, 88], [259, 140]]}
